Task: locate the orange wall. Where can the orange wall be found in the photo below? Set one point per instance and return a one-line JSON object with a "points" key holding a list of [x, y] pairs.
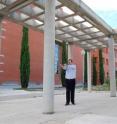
{"points": [[11, 49], [78, 60], [106, 61], [11, 46], [36, 55], [95, 53]]}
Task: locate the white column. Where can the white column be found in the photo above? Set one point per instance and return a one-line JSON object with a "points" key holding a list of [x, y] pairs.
{"points": [[83, 54], [112, 67], [49, 47], [69, 52], [89, 70]]}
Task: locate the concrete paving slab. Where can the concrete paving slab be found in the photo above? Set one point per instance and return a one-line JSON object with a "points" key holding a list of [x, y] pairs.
{"points": [[93, 119], [21, 94], [30, 110]]}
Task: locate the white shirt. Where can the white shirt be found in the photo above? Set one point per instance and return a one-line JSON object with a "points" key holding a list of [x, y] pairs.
{"points": [[70, 71]]}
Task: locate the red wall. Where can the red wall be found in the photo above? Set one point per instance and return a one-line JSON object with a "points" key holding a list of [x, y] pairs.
{"points": [[78, 60], [11, 46], [95, 53], [36, 55], [11, 50], [106, 61]]}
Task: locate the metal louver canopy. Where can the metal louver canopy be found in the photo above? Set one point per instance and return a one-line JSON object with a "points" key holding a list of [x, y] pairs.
{"points": [[75, 21]]}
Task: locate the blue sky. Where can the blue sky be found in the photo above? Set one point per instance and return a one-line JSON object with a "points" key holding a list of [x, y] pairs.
{"points": [[106, 9]]}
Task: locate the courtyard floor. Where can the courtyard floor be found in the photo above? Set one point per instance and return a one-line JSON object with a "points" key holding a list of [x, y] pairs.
{"points": [[25, 107]]}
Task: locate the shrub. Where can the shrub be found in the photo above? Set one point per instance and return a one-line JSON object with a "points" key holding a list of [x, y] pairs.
{"points": [[101, 67], [24, 60], [85, 70], [94, 72], [64, 61]]}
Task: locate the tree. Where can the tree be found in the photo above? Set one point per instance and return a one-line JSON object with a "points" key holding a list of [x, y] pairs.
{"points": [[64, 61], [85, 69], [101, 67], [94, 72], [24, 60]]}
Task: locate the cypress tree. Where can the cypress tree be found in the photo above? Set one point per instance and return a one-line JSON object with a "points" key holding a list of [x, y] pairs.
{"points": [[94, 72], [85, 69], [101, 67], [24, 60], [64, 61]]}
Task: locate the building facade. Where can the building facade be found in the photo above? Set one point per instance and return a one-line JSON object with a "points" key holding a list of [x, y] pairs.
{"points": [[11, 37], [10, 55]]}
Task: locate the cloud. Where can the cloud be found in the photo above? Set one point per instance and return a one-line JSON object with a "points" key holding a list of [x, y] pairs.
{"points": [[109, 16], [106, 9], [106, 5]]}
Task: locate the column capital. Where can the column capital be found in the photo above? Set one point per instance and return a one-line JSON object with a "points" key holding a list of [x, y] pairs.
{"points": [[67, 42], [82, 52]]}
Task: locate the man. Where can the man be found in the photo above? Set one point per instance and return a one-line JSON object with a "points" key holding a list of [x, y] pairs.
{"points": [[70, 78]]}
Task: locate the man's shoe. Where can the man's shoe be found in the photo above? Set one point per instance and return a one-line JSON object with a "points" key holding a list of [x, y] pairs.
{"points": [[67, 104], [73, 103]]}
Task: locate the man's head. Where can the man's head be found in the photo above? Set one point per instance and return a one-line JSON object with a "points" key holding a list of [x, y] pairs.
{"points": [[70, 61]]}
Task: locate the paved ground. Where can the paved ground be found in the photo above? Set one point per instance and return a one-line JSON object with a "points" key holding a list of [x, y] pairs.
{"points": [[28, 109], [93, 119]]}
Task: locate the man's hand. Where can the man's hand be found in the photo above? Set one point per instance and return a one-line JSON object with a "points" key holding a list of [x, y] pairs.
{"points": [[63, 66]]}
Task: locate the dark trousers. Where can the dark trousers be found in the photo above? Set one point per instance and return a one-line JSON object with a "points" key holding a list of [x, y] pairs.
{"points": [[70, 90]]}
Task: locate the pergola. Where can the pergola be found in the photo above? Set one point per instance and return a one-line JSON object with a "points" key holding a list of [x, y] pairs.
{"points": [[70, 21]]}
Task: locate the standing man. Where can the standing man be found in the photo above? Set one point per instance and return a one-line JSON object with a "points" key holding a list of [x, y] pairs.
{"points": [[70, 79]]}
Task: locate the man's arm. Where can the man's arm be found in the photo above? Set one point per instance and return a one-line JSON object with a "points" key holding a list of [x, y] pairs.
{"points": [[63, 66]]}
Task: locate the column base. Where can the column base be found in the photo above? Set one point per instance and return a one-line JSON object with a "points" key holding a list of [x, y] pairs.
{"points": [[48, 112]]}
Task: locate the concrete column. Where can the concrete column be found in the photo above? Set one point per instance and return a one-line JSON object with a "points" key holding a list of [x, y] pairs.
{"points": [[83, 54], [112, 67], [89, 71], [69, 52], [49, 48]]}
